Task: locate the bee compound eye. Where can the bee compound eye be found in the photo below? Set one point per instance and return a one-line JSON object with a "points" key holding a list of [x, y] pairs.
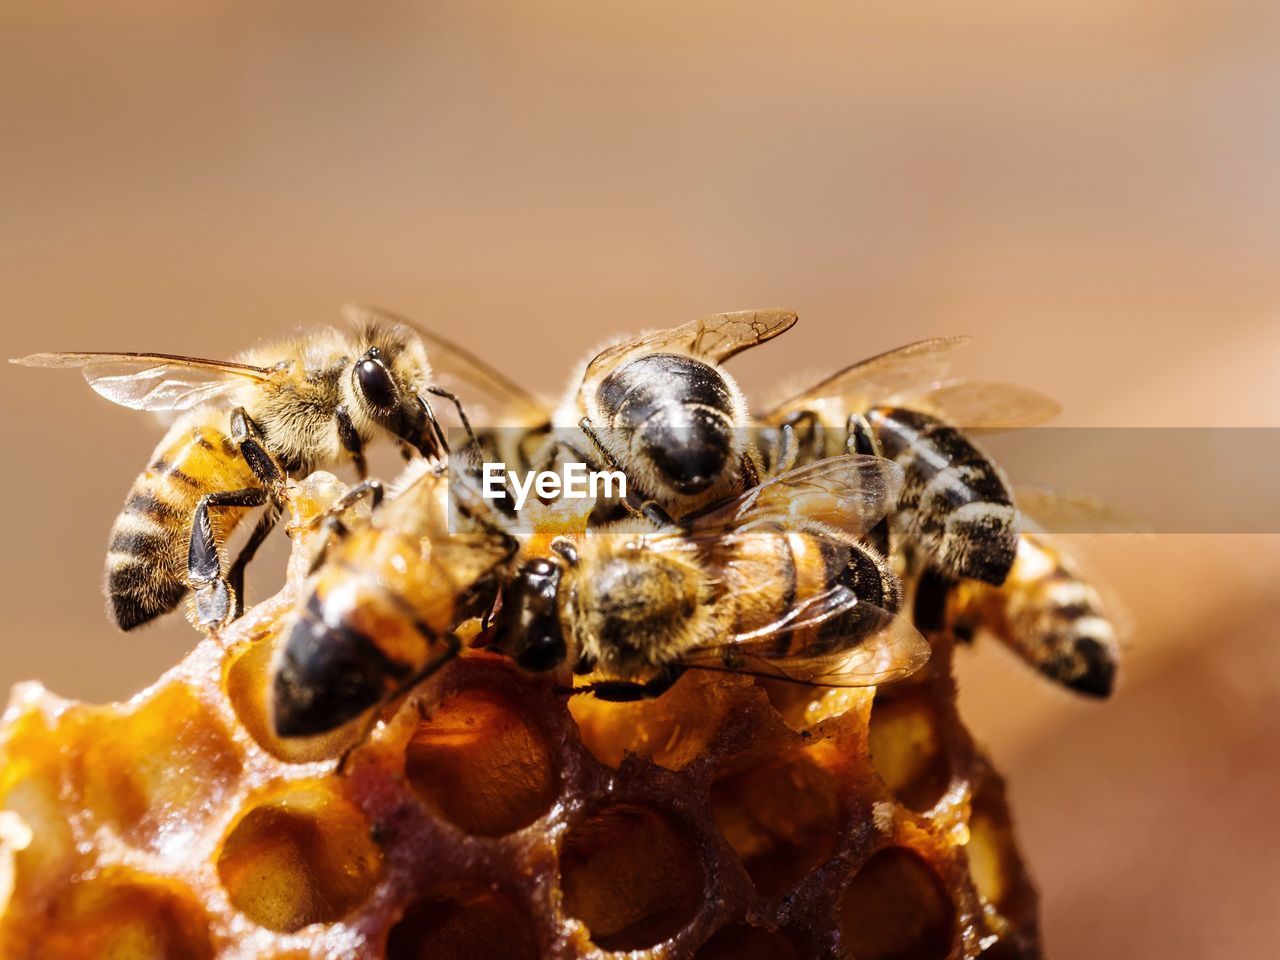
{"points": [[375, 383]]}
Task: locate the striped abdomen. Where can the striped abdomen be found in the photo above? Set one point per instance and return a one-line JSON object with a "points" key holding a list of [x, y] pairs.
{"points": [[955, 504], [1047, 614], [146, 572], [783, 574], [358, 637], [676, 414]]}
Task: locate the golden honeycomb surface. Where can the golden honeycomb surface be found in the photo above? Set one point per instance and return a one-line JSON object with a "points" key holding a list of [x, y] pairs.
{"points": [[488, 816]]}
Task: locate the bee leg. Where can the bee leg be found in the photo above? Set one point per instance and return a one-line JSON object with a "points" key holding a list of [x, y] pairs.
{"points": [[797, 433], [453, 647], [929, 610], [219, 599], [472, 439], [335, 529], [642, 506], [235, 575], [204, 561], [626, 691], [441, 441], [750, 475], [351, 441]]}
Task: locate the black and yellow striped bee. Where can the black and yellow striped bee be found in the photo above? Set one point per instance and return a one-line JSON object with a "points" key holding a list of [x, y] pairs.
{"points": [[762, 584], [285, 408], [384, 599], [659, 407], [955, 508], [1047, 611]]}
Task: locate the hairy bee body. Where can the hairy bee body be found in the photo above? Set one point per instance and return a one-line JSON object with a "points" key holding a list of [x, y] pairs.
{"points": [[677, 423], [760, 585], [632, 607], [381, 607], [1047, 613], [243, 425], [146, 572], [662, 408], [955, 503]]}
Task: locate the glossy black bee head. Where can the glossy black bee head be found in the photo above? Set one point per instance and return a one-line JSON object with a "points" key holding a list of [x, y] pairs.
{"points": [[325, 677], [528, 625], [681, 414], [390, 401]]}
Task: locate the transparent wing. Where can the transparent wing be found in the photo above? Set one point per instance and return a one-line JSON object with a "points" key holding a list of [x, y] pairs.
{"points": [[908, 369], [462, 372], [851, 493], [714, 339], [982, 405], [878, 646], [153, 381]]}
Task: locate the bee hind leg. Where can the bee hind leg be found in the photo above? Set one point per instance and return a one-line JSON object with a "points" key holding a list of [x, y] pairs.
{"points": [[204, 560], [628, 691], [219, 599]]}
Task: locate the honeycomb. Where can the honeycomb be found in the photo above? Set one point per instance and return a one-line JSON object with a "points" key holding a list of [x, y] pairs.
{"points": [[488, 816]]}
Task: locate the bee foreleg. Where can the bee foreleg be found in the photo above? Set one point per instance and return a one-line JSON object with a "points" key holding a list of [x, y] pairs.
{"points": [[351, 441], [462, 416]]}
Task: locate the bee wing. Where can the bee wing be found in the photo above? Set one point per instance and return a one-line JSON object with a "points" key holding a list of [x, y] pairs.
{"points": [[714, 339], [883, 648], [982, 405], [455, 366], [852, 493], [153, 381], [906, 369]]}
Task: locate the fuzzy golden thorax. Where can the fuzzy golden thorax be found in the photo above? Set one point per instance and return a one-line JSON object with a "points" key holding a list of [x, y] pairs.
{"points": [[630, 609]]}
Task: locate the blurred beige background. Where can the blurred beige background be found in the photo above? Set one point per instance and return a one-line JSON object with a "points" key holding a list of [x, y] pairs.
{"points": [[1089, 188]]}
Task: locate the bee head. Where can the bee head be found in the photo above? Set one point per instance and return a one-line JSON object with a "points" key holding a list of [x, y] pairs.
{"points": [[386, 383], [528, 625]]}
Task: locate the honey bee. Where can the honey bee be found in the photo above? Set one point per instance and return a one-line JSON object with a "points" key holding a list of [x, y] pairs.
{"points": [[955, 507], [383, 601], [758, 585], [1046, 612], [659, 408], [244, 425], [662, 409]]}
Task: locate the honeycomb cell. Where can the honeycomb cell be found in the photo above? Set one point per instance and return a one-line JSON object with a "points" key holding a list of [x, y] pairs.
{"points": [[781, 817], [907, 751], [741, 942], [994, 864], [121, 915], [159, 770], [247, 681], [631, 876], [300, 854], [463, 923], [895, 908], [514, 786], [658, 729]]}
